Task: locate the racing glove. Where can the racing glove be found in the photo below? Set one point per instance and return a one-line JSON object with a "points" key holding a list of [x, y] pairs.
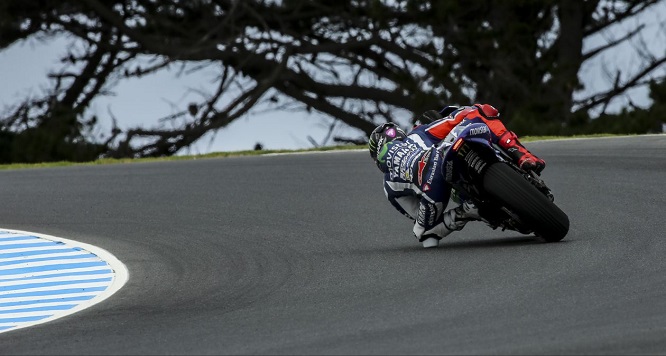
{"points": [[524, 158]]}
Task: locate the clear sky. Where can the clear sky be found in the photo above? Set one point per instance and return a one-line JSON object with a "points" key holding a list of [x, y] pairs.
{"points": [[24, 67]]}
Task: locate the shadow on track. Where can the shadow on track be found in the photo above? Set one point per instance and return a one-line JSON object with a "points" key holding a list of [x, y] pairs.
{"points": [[490, 242], [459, 245]]}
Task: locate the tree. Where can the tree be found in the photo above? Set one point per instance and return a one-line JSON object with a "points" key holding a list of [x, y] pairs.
{"points": [[635, 120], [358, 61]]}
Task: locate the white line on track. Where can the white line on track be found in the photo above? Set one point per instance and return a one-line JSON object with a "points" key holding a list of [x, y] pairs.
{"points": [[83, 286], [46, 255], [39, 297], [14, 277], [49, 263], [43, 248], [45, 305], [48, 279]]}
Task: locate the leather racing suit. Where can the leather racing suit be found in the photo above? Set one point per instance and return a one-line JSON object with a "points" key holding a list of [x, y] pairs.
{"points": [[414, 180]]}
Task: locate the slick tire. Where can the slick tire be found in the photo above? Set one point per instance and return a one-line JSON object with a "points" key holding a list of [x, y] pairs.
{"points": [[534, 209]]}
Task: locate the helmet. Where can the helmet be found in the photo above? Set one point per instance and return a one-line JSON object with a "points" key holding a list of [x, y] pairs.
{"points": [[382, 135]]}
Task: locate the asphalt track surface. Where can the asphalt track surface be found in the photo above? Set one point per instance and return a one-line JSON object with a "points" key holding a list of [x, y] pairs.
{"points": [[301, 254]]}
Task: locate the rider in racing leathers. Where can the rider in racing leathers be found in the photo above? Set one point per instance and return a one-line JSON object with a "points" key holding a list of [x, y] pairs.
{"points": [[414, 180]]}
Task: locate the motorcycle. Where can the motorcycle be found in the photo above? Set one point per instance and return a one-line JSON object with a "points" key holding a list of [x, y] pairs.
{"points": [[506, 196]]}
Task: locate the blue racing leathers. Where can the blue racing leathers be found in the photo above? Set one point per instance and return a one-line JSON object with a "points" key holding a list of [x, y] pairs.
{"points": [[414, 180], [414, 183]]}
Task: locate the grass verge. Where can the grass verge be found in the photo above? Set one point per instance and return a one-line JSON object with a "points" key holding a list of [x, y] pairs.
{"points": [[103, 161], [237, 154]]}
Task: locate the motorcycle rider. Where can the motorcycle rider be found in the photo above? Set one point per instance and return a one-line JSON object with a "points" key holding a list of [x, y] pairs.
{"points": [[414, 180]]}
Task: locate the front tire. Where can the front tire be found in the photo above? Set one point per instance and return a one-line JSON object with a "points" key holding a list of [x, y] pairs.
{"points": [[545, 218]]}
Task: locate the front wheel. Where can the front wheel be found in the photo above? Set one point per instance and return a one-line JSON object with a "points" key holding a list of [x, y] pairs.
{"points": [[532, 207]]}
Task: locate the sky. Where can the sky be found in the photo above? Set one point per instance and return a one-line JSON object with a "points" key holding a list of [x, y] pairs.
{"points": [[24, 67]]}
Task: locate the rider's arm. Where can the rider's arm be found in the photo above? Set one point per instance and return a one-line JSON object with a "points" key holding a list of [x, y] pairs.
{"points": [[402, 198], [429, 219], [425, 212]]}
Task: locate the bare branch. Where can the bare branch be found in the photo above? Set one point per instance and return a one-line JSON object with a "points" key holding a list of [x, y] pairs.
{"points": [[602, 98], [613, 43]]}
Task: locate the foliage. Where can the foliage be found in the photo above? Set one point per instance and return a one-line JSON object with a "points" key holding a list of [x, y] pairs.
{"points": [[359, 62], [635, 121]]}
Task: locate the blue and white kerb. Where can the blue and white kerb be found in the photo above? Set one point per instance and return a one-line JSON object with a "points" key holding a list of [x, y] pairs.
{"points": [[44, 277]]}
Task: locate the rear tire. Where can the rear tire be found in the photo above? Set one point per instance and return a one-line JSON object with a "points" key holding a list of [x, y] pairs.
{"points": [[534, 209]]}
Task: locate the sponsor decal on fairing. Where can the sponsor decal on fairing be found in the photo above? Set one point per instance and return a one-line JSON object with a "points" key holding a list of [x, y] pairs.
{"points": [[478, 130], [474, 161], [449, 171]]}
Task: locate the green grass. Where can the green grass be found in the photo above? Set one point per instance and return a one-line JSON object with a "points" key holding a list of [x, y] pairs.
{"points": [[103, 161], [541, 138], [236, 154]]}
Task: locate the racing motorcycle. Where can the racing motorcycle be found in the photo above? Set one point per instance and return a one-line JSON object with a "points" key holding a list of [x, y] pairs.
{"points": [[507, 196]]}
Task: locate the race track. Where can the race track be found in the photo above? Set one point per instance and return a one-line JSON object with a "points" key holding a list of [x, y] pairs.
{"points": [[302, 254]]}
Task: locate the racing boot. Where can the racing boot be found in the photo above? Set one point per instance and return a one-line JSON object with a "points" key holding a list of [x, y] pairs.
{"points": [[468, 211], [455, 219], [524, 158]]}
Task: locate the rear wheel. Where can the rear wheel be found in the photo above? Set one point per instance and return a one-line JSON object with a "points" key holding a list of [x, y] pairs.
{"points": [[533, 208]]}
